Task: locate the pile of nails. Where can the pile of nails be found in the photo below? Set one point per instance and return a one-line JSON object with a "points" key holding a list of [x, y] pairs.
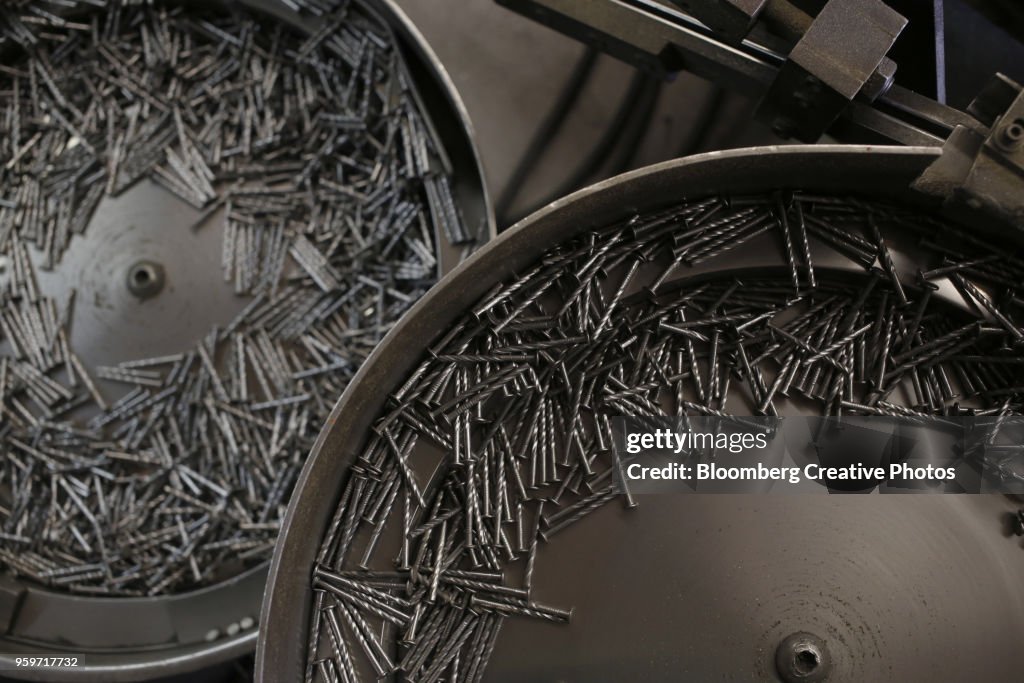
{"points": [[501, 437], [332, 184]]}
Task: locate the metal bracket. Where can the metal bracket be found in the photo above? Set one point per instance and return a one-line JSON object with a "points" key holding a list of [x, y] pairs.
{"points": [[842, 55], [732, 20], [837, 73], [657, 36], [983, 168]]}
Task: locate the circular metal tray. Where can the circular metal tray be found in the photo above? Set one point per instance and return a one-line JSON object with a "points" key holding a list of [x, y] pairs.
{"points": [[698, 587], [125, 639]]}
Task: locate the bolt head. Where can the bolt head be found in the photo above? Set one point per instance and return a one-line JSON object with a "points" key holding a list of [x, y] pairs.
{"points": [[145, 279], [1010, 136], [803, 658]]}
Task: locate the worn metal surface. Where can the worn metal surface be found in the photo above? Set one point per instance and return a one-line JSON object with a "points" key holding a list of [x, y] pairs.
{"points": [[983, 168], [705, 588], [732, 19]]}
